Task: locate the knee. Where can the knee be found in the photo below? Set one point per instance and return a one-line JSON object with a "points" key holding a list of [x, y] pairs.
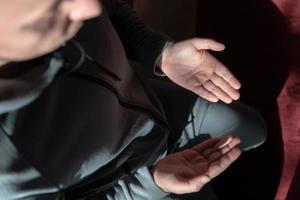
{"points": [[252, 128], [237, 119]]}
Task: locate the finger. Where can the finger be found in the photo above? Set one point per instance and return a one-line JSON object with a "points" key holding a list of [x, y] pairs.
{"points": [[230, 157], [218, 92], [207, 44], [228, 141], [218, 154], [218, 166], [205, 94], [223, 142], [223, 72], [79, 14], [233, 143], [225, 86], [206, 144]]}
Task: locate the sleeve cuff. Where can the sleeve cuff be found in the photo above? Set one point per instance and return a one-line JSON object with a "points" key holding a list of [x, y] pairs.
{"points": [[145, 176], [156, 69]]}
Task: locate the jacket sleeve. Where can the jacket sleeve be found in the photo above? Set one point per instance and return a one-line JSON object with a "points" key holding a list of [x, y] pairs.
{"points": [[141, 43], [139, 186]]}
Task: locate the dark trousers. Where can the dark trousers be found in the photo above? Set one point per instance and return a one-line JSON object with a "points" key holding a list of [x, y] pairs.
{"points": [[193, 119]]}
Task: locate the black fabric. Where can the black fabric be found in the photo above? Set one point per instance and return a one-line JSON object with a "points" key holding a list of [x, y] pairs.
{"points": [[177, 103], [141, 42], [87, 128]]}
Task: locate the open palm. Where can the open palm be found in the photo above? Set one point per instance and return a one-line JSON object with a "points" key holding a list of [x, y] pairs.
{"points": [[190, 65], [189, 170]]}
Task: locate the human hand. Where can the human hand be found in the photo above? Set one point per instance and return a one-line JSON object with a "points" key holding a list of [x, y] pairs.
{"points": [[190, 65], [189, 170]]}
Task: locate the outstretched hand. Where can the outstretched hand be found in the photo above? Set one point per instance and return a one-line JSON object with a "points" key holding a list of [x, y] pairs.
{"points": [[189, 170], [190, 65]]}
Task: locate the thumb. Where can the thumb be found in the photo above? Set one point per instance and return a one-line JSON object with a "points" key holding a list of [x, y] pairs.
{"points": [[207, 44], [199, 181]]}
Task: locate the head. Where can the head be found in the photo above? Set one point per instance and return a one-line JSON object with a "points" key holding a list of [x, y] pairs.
{"points": [[31, 28]]}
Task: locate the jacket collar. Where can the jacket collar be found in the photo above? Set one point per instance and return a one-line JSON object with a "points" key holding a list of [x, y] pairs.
{"points": [[21, 86]]}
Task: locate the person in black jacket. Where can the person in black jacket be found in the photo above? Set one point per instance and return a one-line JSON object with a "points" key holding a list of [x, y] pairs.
{"points": [[77, 123]]}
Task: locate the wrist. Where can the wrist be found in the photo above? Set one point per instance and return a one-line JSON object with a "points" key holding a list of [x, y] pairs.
{"points": [[154, 177], [164, 56], [158, 68]]}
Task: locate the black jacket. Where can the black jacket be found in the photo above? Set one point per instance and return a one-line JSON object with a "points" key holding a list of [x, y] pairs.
{"points": [[96, 128]]}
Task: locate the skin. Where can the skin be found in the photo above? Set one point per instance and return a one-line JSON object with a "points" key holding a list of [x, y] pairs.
{"points": [[31, 28], [189, 170], [190, 65]]}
